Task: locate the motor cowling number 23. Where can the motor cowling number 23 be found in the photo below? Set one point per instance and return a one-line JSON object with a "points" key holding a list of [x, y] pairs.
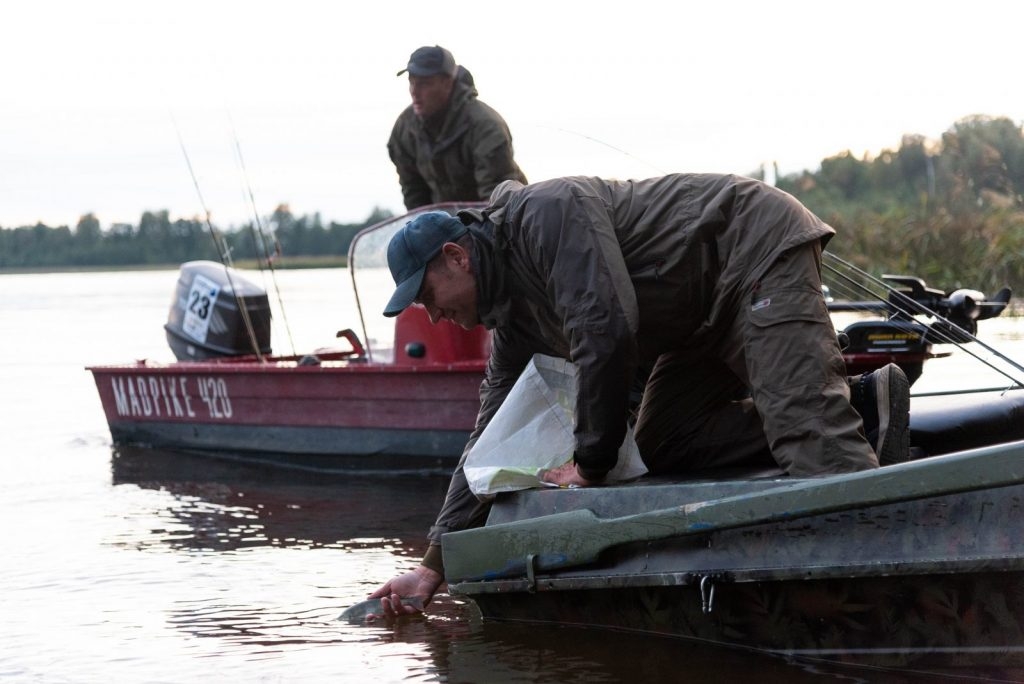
{"points": [[202, 297]]}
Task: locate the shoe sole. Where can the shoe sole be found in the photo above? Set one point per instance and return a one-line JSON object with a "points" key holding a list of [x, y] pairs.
{"points": [[893, 417]]}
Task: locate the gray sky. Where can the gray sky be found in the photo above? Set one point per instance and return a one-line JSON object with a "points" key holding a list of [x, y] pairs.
{"points": [[96, 93]]}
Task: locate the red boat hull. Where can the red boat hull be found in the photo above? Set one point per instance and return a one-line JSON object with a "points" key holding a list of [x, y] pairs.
{"points": [[415, 415], [379, 415]]}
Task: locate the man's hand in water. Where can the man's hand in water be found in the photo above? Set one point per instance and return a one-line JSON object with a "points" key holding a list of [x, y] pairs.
{"points": [[421, 583]]}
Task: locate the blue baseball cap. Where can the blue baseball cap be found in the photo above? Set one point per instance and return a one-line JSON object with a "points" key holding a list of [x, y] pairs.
{"points": [[411, 248]]}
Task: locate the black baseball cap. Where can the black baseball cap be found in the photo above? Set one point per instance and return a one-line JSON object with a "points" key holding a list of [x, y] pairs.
{"points": [[430, 61]]}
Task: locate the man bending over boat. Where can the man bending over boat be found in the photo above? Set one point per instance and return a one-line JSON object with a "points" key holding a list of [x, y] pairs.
{"points": [[713, 282]]}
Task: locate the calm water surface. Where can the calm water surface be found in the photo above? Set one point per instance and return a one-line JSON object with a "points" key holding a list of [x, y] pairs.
{"points": [[146, 566]]}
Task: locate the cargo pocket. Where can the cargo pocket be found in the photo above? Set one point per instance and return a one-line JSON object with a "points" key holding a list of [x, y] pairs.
{"points": [[781, 306], [789, 340]]}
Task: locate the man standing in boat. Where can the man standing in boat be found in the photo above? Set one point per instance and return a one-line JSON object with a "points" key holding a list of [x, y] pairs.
{"points": [[448, 145], [711, 281]]}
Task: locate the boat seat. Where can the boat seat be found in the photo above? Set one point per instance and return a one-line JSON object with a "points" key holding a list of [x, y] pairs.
{"points": [[418, 341]]}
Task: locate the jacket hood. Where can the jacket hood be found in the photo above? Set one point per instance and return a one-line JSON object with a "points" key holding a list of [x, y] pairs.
{"points": [[448, 125], [500, 196], [463, 90]]}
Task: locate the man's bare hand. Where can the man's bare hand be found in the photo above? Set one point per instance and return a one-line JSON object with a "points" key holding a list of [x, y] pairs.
{"points": [[417, 588], [566, 476]]}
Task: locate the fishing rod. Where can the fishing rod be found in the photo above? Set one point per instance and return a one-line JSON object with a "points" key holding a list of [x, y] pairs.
{"points": [[606, 144], [221, 245], [259, 225], [902, 306]]}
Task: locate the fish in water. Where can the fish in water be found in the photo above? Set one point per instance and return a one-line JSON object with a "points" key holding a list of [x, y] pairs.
{"points": [[359, 612]]}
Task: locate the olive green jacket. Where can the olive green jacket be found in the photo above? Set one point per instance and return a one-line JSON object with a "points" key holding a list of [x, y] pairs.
{"points": [[459, 156], [610, 274]]}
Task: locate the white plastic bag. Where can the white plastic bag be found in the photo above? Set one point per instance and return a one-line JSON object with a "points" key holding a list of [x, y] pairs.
{"points": [[532, 430]]}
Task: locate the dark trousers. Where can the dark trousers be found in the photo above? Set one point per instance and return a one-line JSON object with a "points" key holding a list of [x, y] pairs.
{"points": [[775, 387]]}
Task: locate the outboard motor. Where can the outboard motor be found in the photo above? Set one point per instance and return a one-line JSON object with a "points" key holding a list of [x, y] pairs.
{"points": [[205, 321], [897, 336], [963, 308], [872, 344]]}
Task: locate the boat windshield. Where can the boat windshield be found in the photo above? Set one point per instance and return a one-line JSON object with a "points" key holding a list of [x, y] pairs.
{"points": [[371, 279]]}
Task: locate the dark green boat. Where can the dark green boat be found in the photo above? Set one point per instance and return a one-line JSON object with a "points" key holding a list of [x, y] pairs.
{"points": [[917, 564]]}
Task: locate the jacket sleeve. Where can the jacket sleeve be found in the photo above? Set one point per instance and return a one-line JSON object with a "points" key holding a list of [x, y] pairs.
{"points": [[569, 235], [493, 159], [462, 509], [402, 150]]}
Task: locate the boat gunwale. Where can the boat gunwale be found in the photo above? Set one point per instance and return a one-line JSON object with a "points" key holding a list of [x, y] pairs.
{"points": [[289, 366], [855, 570]]}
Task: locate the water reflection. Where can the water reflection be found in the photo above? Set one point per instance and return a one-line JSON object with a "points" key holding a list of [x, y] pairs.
{"points": [[264, 559], [472, 651], [218, 505]]}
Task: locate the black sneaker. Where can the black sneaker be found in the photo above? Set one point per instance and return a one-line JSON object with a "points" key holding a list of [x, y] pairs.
{"points": [[882, 398]]}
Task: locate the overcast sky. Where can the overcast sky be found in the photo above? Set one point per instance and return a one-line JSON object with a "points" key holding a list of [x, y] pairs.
{"points": [[95, 94]]}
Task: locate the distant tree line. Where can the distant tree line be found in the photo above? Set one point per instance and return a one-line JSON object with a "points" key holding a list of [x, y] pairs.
{"points": [[159, 240], [949, 211]]}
